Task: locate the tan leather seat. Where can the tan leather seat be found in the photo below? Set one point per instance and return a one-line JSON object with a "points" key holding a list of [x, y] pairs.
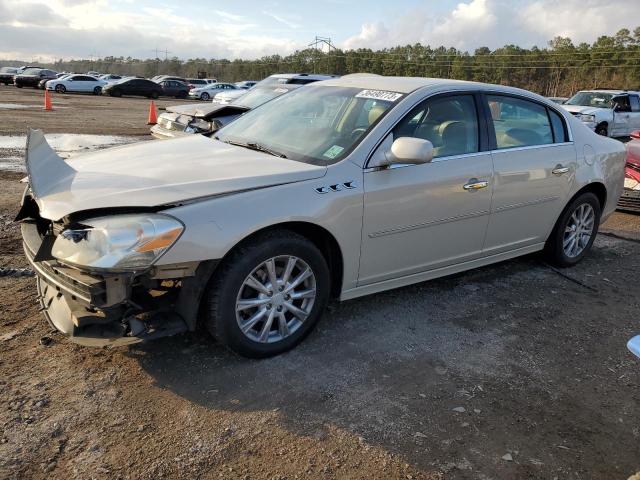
{"points": [[375, 113], [454, 139]]}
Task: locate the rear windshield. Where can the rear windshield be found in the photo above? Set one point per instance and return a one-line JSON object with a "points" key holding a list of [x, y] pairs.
{"points": [[32, 71], [259, 95]]}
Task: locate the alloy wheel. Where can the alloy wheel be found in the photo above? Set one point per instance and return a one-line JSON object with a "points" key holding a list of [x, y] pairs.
{"points": [[579, 230], [275, 299]]}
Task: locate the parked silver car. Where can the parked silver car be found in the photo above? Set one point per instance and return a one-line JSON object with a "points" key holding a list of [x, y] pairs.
{"points": [[344, 188]]}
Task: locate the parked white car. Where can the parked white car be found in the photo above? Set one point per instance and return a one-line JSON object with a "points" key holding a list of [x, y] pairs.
{"points": [[209, 91], [228, 96], [111, 78], [344, 188], [611, 113], [77, 83]]}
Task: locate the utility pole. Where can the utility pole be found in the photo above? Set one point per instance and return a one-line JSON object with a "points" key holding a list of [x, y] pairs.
{"points": [[320, 42]]}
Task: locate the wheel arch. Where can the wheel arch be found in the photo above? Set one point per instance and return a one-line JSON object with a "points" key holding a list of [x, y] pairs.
{"points": [[190, 300], [597, 188], [322, 238]]}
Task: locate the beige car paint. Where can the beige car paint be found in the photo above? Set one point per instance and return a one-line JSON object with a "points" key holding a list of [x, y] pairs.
{"points": [[394, 227]]}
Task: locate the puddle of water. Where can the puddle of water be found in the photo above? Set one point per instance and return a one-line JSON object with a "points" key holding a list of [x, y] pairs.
{"points": [[15, 106], [65, 144]]}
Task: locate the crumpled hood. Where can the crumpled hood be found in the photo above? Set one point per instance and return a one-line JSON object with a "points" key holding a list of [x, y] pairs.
{"points": [[151, 173], [583, 109], [203, 110]]}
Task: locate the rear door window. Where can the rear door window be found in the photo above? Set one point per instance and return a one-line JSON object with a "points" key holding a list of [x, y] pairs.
{"points": [[635, 103], [559, 127], [519, 123]]}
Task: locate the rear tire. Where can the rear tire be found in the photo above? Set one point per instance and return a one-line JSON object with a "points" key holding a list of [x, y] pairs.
{"points": [[575, 231], [275, 328]]}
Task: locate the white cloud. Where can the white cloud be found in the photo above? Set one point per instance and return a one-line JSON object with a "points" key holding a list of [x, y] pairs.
{"points": [[494, 23], [281, 19], [581, 20], [79, 28]]}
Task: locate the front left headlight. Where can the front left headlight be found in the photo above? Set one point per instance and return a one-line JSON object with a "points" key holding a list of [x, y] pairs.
{"points": [[588, 118], [121, 242]]}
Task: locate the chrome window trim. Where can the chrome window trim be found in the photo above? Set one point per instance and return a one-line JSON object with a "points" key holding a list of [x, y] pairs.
{"points": [[530, 147], [435, 160]]}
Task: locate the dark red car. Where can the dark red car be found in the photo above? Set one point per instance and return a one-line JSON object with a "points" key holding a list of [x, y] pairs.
{"points": [[630, 199]]}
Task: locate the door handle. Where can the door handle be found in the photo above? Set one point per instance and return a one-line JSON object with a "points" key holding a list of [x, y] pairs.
{"points": [[560, 170], [475, 184]]}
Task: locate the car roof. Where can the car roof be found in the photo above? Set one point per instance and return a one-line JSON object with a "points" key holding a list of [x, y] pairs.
{"points": [[409, 84], [614, 92], [308, 76]]}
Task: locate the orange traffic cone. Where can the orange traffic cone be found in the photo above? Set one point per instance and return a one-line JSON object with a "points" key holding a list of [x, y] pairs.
{"points": [[47, 101], [153, 116]]}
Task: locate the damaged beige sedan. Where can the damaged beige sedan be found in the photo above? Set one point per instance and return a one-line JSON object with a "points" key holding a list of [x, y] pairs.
{"points": [[344, 188]]}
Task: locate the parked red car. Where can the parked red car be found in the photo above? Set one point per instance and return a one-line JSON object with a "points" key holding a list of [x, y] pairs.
{"points": [[630, 199]]}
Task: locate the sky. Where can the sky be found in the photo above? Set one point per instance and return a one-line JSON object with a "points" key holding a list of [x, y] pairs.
{"points": [[44, 30]]}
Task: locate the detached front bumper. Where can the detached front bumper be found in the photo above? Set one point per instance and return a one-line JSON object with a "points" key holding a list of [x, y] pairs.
{"points": [[100, 310]]}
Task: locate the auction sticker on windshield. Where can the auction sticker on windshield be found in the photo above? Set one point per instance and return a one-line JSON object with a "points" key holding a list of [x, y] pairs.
{"points": [[379, 95]]}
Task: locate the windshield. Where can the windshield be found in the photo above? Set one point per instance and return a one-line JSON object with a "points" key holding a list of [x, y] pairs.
{"points": [[7, 70], [257, 96], [315, 124], [591, 99]]}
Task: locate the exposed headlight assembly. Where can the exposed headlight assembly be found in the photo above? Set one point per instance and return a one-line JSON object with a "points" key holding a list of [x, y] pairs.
{"points": [[588, 118], [120, 242]]}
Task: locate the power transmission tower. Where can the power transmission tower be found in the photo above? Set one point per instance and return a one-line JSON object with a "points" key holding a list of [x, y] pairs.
{"points": [[166, 57], [320, 42]]}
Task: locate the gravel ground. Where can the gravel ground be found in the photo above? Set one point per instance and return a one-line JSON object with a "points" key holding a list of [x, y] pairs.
{"points": [[517, 370]]}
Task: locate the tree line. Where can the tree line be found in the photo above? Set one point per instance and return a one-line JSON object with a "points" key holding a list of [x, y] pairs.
{"points": [[559, 69]]}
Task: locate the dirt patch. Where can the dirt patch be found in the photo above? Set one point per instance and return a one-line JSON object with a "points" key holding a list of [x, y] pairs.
{"points": [[76, 113]]}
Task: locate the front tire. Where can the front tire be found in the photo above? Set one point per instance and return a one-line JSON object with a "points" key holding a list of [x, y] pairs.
{"points": [[602, 129], [61, 89], [575, 231], [97, 91], [268, 294], [204, 96]]}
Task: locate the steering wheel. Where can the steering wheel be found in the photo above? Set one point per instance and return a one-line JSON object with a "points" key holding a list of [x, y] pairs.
{"points": [[357, 132]]}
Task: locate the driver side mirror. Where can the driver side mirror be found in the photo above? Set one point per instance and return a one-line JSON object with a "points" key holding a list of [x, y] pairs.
{"points": [[404, 150], [411, 150]]}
